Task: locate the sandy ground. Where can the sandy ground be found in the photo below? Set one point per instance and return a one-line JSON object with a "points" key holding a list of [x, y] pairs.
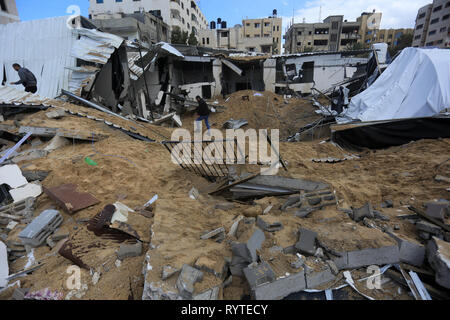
{"points": [[133, 171]]}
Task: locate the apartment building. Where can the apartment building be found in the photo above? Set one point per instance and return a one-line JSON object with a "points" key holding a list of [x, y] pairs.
{"points": [[8, 11], [185, 14], [254, 35], [433, 25], [333, 34], [389, 36]]}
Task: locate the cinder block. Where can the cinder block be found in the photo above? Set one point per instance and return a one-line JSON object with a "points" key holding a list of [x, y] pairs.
{"points": [[212, 294], [306, 242], [263, 225], [186, 281], [41, 228], [19, 293], [280, 288], [259, 275], [429, 228], [365, 212], [378, 256], [315, 279], [438, 210]]}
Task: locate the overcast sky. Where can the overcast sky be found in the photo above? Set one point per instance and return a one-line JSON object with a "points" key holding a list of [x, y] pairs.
{"points": [[396, 13]]}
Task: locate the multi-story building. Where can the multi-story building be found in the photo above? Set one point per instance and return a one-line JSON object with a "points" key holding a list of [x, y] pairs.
{"points": [[433, 25], [185, 14], [8, 11], [144, 27], [333, 34], [254, 35]]}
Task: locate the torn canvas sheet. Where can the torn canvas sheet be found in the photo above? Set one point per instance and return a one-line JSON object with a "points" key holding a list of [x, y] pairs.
{"points": [[416, 84]]}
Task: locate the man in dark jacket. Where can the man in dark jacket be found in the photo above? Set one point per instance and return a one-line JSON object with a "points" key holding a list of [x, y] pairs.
{"points": [[203, 111], [27, 78]]}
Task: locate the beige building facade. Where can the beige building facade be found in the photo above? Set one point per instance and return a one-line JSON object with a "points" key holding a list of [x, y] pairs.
{"points": [[8, 11], [254, 35], [185, 14], [433, 25]]}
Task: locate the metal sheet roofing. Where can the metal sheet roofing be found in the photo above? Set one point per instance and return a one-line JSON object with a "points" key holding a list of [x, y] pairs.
{"points": [[50, 49]]}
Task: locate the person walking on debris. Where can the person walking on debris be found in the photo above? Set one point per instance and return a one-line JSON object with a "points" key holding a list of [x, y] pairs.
{"points": [[203, 111], [27, 78]]}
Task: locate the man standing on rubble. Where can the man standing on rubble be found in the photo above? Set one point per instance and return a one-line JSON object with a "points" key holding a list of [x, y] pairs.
{"points": [[203, 112], [27, 78]]}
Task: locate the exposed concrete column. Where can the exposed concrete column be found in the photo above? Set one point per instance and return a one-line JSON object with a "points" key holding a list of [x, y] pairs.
{"points": [[269, 74], [217, 71]]}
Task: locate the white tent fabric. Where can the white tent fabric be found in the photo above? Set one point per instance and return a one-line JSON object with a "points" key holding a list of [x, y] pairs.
{"points": [[416, 84]]}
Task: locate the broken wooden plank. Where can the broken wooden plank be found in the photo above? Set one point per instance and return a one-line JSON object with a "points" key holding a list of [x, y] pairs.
{"points": [[233, 67]]}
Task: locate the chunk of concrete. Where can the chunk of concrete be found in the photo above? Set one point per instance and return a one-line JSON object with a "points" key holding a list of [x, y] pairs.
{"points": [[56, 143], [31, 155], [213, 233], [41, 228], [212, 294], [411, 252], [259, 275], [19, 293], [4, 268], [280, 288], [373, 256], [168, 272], [306, 242], [129, 250], [263, 225], [290, 201], [12, 176], [364, 212], [438, 254], [315, 279], [255, 243], [186, 281], [31, 190], [241, 250], [438, 210], [234, 226]]}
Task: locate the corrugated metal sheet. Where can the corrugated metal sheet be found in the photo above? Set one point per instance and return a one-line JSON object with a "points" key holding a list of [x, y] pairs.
{"points": [[14, 96], [49, 48]]}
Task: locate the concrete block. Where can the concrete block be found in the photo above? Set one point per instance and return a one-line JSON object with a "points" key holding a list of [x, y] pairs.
{"points": [[378, 256], [19, 293], [306, 242], [41, 228], [56, 143], [55, 113], [225, 206], [12, 176], [342, 261], [4, 268], [438, 254], [428, 227], [24, 208], [316, 279], [186, 281], [129, 250], [291, 201], [235, 226], [255, 243], [438, 210], [263, 225], [365, 212], [212, 294], [241, 250], [168, 272], [314, 201], [216, 266], [259, 275], [280, 288], [411, 252]]}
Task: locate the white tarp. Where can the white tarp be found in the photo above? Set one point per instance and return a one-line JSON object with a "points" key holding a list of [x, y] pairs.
{"points": [[416, 84]]}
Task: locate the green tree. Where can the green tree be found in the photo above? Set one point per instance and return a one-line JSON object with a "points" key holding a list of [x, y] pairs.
{"points": [[178, 36], [192, 39]]}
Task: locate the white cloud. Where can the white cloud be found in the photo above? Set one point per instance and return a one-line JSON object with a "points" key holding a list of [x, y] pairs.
{"points": [[396, 13]]}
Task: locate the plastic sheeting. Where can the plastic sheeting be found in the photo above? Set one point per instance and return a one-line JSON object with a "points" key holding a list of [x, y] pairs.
{"points": [[416, 84]]}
